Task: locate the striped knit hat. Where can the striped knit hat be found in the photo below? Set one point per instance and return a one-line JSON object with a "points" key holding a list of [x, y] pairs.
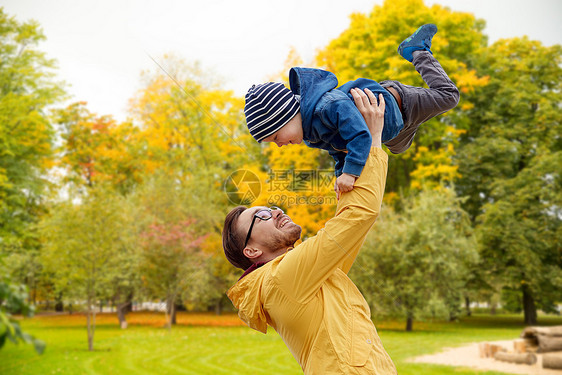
{"points": [[269, 107]]}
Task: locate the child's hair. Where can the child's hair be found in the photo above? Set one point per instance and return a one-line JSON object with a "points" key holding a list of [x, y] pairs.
{"points": [[269, 107]]}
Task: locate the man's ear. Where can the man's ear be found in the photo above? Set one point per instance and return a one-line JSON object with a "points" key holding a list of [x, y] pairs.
{"points": [[251, 253]]}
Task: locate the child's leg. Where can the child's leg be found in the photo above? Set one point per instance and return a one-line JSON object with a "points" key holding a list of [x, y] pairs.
{"points": [[420, 104]]}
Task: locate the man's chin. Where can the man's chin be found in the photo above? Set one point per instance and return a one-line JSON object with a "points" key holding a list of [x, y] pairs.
{"points": [[295, 232]]}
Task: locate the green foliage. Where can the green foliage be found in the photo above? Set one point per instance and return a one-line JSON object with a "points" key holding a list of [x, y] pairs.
{"points": [[515, 118], [510, 162], [171, 264], [13, 300], [81, 244], [415, 263], [84, 247], [27, 88]]}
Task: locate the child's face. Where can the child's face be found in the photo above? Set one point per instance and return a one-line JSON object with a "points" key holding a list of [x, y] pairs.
{"points": [[291, 133]]}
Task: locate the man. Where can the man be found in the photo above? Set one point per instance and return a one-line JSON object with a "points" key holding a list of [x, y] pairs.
{"points": [[304, 292]]}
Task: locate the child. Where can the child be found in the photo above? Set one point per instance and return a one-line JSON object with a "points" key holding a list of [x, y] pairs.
{"points": [[325, 116]]}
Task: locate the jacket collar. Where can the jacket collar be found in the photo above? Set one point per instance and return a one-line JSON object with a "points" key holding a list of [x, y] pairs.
{"points": [[252, 268]]}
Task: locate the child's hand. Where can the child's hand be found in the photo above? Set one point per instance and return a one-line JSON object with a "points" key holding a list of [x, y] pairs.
{"points": [[344, 183]]}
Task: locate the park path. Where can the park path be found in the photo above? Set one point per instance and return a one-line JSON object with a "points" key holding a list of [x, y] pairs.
{"points": [[468, 356]]}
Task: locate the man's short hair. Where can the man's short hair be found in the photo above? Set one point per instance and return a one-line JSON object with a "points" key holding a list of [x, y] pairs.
{"points": [[233, 240]]}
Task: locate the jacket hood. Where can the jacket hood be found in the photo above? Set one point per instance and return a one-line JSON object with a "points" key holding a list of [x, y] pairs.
{"points": [[311, 84], [246, 297]]}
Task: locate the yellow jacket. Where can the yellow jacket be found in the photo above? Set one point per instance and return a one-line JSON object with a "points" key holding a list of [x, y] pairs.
{"points": [[306, 296]]}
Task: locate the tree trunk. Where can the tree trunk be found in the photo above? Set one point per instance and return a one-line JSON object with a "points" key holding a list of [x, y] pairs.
{"points": [[173, 314], [59, 306], [452, 316], [122, 309], [130, 302], [218, 307], [467, 306], [171, 311], [409, 323], [91, 320], [529, 307]]}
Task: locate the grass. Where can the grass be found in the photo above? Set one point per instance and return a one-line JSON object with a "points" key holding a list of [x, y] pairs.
{"points": [[206, 344]]}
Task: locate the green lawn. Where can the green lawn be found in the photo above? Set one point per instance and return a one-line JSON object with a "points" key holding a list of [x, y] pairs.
{"points": [[221, 347]]}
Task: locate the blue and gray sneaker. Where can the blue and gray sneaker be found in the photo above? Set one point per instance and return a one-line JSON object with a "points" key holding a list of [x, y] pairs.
{"points": [[418, 41]]}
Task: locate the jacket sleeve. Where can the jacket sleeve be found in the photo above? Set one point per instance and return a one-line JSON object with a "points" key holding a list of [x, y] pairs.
{"points": [[339, 157], [304, 269], [351, 125]]}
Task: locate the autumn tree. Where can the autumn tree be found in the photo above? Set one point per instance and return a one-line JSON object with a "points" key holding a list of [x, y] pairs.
{"points": [[28, 88], [415, 263], [99, 153], [510, 166], [193, 133], [97, 150], [368, 48]]}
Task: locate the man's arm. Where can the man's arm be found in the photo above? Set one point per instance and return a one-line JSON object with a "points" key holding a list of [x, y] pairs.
{"points": [[303, 270]]}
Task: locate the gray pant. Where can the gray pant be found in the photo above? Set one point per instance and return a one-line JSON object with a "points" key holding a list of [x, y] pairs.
{"points": [[420, 104]]}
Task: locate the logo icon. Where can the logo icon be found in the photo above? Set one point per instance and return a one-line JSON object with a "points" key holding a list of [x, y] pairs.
{"points": [[242, 187]]}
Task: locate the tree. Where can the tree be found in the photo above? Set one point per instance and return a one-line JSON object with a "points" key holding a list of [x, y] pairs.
{"points": [[415, 263], [27, 90], [170, 259], [194, 138], [368, 49], [82, 245], [510, 162], [98, 150]]}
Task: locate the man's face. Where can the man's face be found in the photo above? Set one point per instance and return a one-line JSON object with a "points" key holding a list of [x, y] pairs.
{"points": [[271, 236], [291, 133]]}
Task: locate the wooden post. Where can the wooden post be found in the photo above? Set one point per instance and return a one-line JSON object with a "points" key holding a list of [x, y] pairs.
{"points": [[483, 349], [527, 358], [520, 346], [495, 349]]}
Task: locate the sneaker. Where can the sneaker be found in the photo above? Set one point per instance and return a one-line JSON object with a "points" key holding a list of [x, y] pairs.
{"points": [[418, 41]]}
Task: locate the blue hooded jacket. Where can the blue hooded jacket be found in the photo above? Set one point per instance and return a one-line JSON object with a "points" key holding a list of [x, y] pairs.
{"points": [[332, 122]]}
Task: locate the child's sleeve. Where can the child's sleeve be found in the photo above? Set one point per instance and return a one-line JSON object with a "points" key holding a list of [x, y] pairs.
{"points": [[339, 157], [351, 125]]}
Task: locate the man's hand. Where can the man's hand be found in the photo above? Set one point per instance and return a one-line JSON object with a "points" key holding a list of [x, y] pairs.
{"points": [[344, 183], [372, 112]]}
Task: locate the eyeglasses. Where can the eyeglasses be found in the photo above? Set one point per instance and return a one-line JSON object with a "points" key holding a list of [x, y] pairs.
{"points": [[263, 215]]}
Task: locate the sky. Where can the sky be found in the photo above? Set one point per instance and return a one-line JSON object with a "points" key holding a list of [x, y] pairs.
{"points": [[102, 46]]}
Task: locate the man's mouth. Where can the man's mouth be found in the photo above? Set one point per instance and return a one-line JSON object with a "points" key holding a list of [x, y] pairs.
{"points": [[284, 221]]}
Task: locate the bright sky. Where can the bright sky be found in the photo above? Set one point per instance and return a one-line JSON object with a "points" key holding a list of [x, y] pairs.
{"points": [[101, 45]]}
